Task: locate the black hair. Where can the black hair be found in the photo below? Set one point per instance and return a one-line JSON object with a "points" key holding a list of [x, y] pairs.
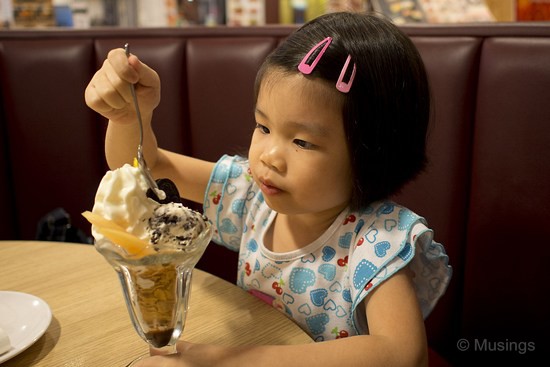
{"points": [[387, 110]]}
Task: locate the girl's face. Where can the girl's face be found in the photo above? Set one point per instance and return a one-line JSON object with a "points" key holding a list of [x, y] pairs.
{"points": [[298, 154]]}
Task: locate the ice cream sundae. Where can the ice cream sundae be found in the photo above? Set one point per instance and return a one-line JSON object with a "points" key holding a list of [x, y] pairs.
{"points": [[153, 245]]}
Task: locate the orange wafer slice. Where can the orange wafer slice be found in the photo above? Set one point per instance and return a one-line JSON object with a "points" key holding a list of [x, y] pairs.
{"points": [[99, 221], [133, 245]]}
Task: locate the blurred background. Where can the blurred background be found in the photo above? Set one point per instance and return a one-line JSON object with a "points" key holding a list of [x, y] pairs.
{"points": [[181, 13]]}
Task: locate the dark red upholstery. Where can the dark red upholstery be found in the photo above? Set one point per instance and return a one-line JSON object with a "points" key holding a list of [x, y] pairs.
{"points": [[220, 62], [509, 217], [441, 195], [486, 191], [52, 142]]}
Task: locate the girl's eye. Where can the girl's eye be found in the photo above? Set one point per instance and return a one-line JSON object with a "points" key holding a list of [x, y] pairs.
{"points": [[303, 144], [262, 128]]}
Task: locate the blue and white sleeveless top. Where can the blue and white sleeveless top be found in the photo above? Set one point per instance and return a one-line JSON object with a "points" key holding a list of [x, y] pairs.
{"points": [[321, 285]]}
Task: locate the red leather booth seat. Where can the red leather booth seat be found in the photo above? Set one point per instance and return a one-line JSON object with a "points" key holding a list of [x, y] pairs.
{"points": [[486, 191]]}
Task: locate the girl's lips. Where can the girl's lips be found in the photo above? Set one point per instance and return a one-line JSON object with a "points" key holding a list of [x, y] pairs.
{"points": [[269, 189]]}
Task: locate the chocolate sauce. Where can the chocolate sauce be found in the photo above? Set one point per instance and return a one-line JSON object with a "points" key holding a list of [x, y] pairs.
{"points": [[159, 338]]}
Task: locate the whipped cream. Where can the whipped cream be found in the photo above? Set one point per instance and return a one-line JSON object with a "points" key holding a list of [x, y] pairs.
{"points": [[121, 197]]}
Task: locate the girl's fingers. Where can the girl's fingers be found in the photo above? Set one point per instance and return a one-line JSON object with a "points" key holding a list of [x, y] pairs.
{"points": [[147, 77], [114, 89], [163, 361], [125, 67], [109, 91]]}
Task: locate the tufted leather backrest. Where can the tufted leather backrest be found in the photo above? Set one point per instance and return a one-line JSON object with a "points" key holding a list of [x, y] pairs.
{"points": [[509, 206], [52, 142], [441, 193]]}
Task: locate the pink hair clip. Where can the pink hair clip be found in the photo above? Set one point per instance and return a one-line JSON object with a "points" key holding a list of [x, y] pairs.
{"points": [[307, 69], [340, 84]]}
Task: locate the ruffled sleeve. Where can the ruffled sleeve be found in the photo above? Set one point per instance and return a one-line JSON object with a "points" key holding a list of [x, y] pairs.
{"points": [[228, 199], [397, 237]]}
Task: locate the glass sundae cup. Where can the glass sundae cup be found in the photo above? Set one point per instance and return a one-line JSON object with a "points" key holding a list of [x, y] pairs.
{"points": [[154, 246], [156, 284]]}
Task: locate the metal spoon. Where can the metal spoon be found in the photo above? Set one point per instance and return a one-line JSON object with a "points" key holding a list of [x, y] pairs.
{"points": [[142, 165]]}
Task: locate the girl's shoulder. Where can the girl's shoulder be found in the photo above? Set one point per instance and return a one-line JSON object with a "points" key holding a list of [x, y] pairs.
{"points": [[384, 216], [229, 167]]}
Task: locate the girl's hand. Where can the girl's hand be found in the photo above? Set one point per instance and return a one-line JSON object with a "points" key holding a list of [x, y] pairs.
{"points": [[189, 354], [108, 93]]}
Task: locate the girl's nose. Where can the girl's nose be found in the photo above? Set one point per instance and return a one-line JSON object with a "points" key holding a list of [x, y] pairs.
{"points": [[273, 157]]}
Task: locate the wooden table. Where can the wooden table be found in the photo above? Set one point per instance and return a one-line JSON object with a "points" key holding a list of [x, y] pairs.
{"points": [[90, 324]]}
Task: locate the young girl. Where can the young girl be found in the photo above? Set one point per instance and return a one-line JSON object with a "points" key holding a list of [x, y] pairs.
{"points": [[342, 109]]}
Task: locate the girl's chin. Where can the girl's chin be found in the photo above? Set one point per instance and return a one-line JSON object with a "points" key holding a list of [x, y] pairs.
{"points": [[276, 205]]}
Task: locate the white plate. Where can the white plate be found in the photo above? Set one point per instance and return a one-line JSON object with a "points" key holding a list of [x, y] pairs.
{"points": [[24, 318]]}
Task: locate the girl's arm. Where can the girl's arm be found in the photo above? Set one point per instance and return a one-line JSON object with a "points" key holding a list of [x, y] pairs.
{"points": [[108, 93], [397, 338]]}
